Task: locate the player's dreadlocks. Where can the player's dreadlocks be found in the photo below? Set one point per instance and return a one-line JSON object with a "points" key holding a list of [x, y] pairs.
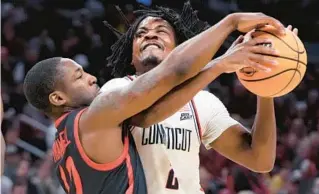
{"points": [[186, 25]]}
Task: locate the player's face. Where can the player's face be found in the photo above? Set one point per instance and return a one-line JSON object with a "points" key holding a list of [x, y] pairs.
{"points": [[77, 87], [153, 41]]}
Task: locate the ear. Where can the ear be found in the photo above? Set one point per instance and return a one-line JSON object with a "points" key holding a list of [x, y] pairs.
{"points": [[57, 98]]}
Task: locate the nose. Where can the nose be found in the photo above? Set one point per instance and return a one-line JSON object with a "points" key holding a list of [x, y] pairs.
{"points": [[92, 79], [151, 35]]}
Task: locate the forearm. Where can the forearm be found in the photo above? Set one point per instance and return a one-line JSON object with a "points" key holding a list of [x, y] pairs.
{"points": [[264, 133], [178, 97], [201, 48]]}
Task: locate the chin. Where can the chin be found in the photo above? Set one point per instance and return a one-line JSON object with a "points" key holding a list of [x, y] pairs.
{"points": [[151, 60]]}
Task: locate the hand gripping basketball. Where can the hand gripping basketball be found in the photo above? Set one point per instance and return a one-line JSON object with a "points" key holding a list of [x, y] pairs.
{"points": [[248, 54], [245, 22], [291, 68]]}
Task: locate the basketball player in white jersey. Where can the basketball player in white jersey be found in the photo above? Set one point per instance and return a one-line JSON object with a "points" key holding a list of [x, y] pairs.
{"points": [[169, 149]]}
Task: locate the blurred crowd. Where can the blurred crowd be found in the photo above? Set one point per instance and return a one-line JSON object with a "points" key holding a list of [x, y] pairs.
{"points": [[33, 30]]}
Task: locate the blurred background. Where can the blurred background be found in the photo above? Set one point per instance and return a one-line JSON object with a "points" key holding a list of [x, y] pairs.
{"points": [[33, 30]]}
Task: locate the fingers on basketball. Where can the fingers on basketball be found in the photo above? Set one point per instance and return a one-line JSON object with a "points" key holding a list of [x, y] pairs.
{"points": [[275, 23], [283, 78], [258, 40]]}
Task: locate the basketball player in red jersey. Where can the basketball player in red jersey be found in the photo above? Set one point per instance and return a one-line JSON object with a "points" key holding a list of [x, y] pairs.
{"points": [[94, 151], [174, 142]]}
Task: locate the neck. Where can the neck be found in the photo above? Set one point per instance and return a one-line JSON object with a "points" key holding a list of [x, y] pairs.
{"points": [[56, 113]]}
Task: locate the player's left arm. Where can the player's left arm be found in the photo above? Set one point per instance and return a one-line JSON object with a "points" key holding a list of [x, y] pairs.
{"points": [[256, 150]]}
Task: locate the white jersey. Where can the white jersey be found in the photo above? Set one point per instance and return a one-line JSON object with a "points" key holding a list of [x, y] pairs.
{"points": [[169, 150]]}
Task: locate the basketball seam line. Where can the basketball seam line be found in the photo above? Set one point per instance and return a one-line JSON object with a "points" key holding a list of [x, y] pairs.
{"points": [[288, 58], [297, 65], [261, 79]]}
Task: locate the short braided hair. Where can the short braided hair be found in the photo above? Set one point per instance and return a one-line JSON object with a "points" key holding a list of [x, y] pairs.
{"points": [[186, 25]]}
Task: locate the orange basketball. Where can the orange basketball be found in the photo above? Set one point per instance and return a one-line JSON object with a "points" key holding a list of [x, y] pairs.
{"points": [[283, 78]]}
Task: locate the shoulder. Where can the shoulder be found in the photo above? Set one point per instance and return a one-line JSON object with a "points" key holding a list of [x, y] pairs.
{"points": [[114, 83], [205, 97], [71, 117]]}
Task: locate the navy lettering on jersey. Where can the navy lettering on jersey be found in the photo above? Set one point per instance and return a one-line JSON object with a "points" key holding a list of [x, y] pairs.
{"points": [[186, 116], [173, 138]]}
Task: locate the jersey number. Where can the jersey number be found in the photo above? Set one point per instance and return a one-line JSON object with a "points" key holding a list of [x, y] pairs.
{"points": [[172, 182], [73, 176]]}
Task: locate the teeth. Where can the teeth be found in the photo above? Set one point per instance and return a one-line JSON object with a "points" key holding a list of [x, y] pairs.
{"points": [[151, 45]]}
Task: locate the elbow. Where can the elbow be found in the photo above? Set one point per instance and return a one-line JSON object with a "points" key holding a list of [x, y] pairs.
{"points": [[261, 163], [263, 166]]}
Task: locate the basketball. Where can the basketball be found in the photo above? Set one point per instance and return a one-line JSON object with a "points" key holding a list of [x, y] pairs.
{"points": [[284, 77]]}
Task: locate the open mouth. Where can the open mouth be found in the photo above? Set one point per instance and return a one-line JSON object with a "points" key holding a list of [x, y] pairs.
{"points": [[152, 44]]}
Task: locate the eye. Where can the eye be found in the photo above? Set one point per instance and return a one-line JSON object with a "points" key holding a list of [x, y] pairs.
{"points": [[162, 31], [139, 33], [79, 76]]}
